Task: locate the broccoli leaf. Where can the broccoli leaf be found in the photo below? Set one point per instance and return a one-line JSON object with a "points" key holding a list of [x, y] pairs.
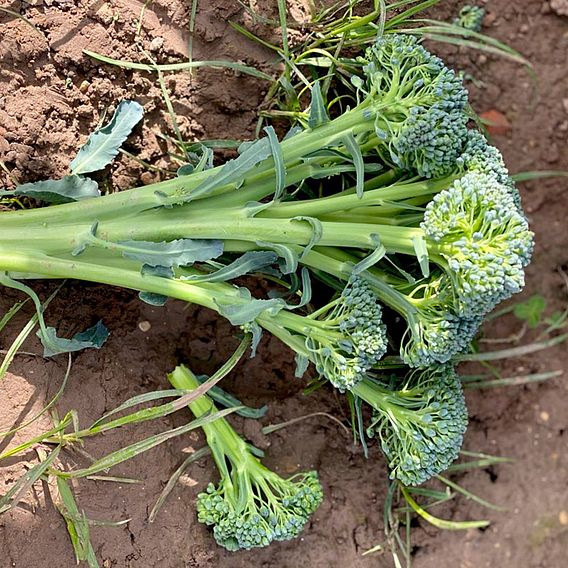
{"points": [[181, 252], [250, 261], [318, 113], [64, 190], [94, 337], [102, 145]]}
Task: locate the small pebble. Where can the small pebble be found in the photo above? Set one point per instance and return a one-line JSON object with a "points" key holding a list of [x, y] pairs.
{"points": [[144, 326]]}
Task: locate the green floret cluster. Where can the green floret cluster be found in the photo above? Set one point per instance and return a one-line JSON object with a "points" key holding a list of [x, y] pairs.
{"points": [[470, 18], [251, 506], [419, 421], [486, 242], [423, 101], [278, 509], [350, 338]]}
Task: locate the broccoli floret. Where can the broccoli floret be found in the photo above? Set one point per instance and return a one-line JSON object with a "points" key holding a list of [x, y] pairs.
{"points": [[421, 102], [345, 338], [484, 240], [435, 334], [479, 156], [420, 421], [251, 506], [470, 18]]}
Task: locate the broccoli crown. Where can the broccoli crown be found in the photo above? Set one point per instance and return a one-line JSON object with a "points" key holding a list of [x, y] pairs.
{"points": [[436, 336], [420, 424], [479, 156], [424, 104], [254, 508], [470, 18], [484, 239], [351, 338]]}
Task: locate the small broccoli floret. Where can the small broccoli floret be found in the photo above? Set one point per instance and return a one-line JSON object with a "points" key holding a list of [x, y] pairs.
{"points": [[251, 506], [347, 337], [436, 334], [420, 422], [470, 18], [274, 508], [422, 118], [483, 238]]}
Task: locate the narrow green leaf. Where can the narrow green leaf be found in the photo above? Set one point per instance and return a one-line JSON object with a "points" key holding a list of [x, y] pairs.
{"points": [[528, 176], [372, 259], [421, 251], [24, 484], [64, 190], [102, 145], [279, 166], [227, 400], [250, 261], [353, 148], [77, 525], [239, 67], [129, 452], [441, 523], [318, 112]]}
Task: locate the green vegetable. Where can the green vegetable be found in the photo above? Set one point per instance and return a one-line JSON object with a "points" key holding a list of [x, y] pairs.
{"points": [[251, 506], [470, 18], [419, 420]]}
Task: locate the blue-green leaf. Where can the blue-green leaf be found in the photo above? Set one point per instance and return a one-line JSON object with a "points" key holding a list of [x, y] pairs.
{"points": [[421, 251], [250, 261], [227, 400], [234, 170], [279, 167], [302, 363], [94, 337], [103, 144], [353, 148], [317, 232], [64, 190], [181, 252], [153, 299], [372, 259], [239, 313], [288, 256], [318, 112]]}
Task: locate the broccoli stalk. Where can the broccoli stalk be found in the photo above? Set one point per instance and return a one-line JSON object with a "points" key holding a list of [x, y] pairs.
{"points": [[420, 421], [251, 506]]}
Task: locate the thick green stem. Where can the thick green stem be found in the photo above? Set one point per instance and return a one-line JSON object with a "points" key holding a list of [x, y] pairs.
{"points": [[219, 433]]}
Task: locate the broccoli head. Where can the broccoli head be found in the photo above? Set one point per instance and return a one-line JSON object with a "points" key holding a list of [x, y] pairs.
{"points": [[251, 506], [421, 105], [484, 240], [420, 421], [347, 337]]}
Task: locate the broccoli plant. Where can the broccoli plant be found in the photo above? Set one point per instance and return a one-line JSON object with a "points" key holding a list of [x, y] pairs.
{"points": [[251, 506]]}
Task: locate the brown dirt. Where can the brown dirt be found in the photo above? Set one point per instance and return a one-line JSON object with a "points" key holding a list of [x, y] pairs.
{"points": [[51, 97]]}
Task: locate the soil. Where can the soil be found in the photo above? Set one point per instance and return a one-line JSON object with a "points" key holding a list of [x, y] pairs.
{"points": [[52, 96]]}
